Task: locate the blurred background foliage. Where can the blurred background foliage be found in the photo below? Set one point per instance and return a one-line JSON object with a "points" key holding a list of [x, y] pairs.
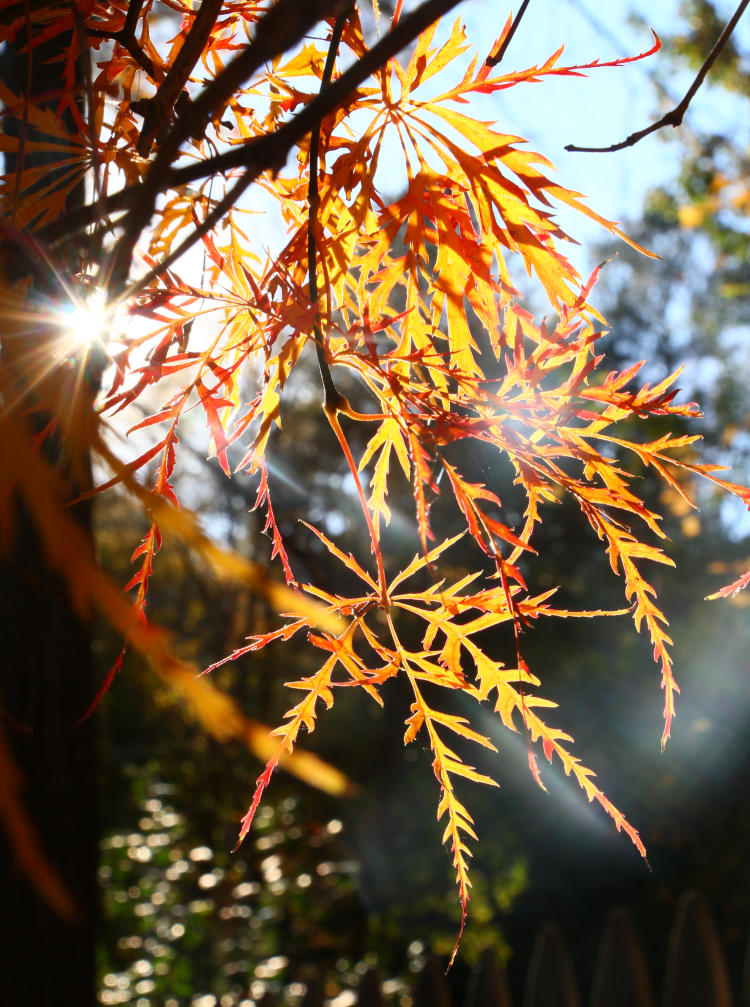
{"points": [[338, 885]]}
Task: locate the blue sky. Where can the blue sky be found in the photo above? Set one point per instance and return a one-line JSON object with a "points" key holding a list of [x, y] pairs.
{"points": [[604, 106]]}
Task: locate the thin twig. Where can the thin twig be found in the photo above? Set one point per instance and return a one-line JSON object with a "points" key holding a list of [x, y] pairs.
{"points": [[333, 398], [126, 38], [494, 60], [675, 116], [210, 221]]}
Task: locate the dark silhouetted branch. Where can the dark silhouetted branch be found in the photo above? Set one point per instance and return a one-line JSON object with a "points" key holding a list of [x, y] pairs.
{"points": [[497, 57]]}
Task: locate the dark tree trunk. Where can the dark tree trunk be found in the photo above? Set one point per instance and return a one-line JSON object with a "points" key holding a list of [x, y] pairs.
{"points": [[46, 680], [46, 683]]}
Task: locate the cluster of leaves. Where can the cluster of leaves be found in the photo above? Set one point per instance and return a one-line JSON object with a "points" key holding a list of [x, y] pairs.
{"points": [[415, 298]]}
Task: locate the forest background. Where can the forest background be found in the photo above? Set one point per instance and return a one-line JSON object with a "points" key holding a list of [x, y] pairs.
{"points": [[330, 883]]}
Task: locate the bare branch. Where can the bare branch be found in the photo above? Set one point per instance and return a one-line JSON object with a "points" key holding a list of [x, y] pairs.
{"points": [[675, 116], [497, 57]]}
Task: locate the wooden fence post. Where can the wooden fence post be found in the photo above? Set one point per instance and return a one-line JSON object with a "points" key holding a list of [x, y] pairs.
{"points": [[621, 977], [369, 994], [551, 981], [745, 980], [430, 988], [696, 974], [315, 992], [488, 987]]}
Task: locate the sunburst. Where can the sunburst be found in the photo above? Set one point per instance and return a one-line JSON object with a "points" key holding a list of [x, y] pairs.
{"points": [[85, 321]]}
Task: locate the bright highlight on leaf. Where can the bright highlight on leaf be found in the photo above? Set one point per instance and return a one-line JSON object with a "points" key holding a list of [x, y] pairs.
{"points": [[412, 303]]}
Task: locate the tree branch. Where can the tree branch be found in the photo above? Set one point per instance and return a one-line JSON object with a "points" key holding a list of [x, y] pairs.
{"points": [[128, 42], [498, 56], [675, 116], [126, 38], [158, 108]]}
